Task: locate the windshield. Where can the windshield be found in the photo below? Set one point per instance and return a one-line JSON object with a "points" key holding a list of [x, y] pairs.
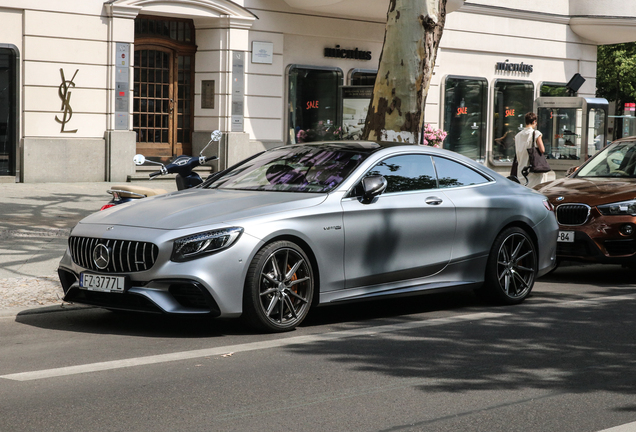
{"points": [[616, 160], [316, 169]]}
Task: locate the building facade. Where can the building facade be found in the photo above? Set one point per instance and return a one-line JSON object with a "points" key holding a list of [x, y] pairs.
{"points": [[86, 84]]}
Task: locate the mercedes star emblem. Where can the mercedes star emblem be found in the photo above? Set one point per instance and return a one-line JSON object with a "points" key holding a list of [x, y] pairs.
{"points": [[101, 256]]}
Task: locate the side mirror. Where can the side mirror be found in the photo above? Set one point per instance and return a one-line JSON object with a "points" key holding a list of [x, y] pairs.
{"points": [[571, 171], [139, 159], [216, 135], [372, 186]]}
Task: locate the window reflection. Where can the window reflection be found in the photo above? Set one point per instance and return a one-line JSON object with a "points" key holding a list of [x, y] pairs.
{"points": [[596, 139], [362, 78], [407, 173], [555, 89], [452, 174]]}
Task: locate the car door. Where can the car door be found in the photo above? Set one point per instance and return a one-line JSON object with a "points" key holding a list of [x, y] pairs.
{"points": [[477, 207], [406, 233]]}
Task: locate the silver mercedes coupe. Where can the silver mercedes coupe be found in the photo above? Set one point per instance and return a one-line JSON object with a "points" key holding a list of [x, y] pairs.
{"points": [[315, 224]]}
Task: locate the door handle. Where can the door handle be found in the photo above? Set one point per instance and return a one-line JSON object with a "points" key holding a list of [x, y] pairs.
{"points": [[433, 200]]}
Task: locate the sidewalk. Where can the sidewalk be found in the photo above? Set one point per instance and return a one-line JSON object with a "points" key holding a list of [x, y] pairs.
{"points": [[35, 222]]}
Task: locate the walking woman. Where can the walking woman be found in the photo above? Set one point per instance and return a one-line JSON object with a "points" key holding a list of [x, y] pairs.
{"points": [[523, 141]]}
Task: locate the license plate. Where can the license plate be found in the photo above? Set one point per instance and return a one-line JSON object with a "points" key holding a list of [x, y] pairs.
{"points": [[566, 237], [93, 282]]}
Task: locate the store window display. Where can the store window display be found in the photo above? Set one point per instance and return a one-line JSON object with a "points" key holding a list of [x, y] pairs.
{"points": [[314, 104], [512, 99], [465, 116]]}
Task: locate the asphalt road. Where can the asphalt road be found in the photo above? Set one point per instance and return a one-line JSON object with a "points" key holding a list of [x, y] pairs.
{"points": [[562, 361]]}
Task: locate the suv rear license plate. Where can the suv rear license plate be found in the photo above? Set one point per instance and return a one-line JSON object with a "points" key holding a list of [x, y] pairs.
{"points": [[102, 283], [566, 237]]}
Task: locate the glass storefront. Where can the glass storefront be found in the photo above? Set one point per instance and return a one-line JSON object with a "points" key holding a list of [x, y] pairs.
{"points": [[574, 128], [561, 129], [314, 99], [465, 116], [512, 100], [8, 107]]}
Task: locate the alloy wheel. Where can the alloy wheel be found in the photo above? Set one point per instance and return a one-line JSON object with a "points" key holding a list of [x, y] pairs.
{"points": [[516, 264], [285, 287]]}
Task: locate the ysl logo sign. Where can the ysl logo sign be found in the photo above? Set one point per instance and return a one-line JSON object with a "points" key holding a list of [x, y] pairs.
{"points": [[65, 95]]}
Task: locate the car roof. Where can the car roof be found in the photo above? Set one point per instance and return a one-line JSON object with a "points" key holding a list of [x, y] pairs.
{"points": [[625, 139], [358, 146]]}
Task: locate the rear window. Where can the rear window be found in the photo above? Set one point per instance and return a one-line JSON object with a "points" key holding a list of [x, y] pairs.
{"points": [[452, 174]]}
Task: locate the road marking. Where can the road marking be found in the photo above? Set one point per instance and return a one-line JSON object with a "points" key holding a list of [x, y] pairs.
{"points": [[628, 427], [253, 346]]}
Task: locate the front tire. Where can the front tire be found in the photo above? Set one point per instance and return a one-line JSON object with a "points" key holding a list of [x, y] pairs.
{"points": [[511, 268], [279, 288]]}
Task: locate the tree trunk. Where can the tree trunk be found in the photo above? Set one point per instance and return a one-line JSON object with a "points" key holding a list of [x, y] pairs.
{"points": [[413, 31]]}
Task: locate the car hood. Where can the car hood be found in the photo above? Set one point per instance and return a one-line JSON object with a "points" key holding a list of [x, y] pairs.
{"points": [[198, 207], [591, 191]]}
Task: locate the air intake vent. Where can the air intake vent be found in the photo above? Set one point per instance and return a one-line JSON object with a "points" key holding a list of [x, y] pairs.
{"points": [[117, 256], [572, 214]]}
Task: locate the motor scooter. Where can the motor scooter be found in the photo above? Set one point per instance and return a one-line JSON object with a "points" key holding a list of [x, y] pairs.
{"points": [[183, 166]]}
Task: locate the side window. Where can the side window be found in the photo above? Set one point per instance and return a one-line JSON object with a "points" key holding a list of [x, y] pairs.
{"points": [[407, 173], [452, 174]]}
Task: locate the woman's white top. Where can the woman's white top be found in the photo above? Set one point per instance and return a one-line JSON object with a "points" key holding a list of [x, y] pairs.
{"points": [[523, 141]]}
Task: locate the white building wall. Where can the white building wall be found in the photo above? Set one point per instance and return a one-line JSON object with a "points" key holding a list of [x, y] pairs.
{"points": [[79, 35], [299, 39], [76, 44]]}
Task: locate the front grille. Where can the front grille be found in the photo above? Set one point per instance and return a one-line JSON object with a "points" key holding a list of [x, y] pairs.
{"points": [[572, 214], [620, 247], [125, 256]]}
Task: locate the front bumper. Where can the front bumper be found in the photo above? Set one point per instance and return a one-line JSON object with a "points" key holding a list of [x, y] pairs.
{"points": [[600, 240], [211, 285], [599, 250], [164, 296]]}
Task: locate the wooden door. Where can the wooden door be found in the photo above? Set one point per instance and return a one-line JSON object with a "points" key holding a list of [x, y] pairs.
{"points": [[162, 104], [153, 102]]}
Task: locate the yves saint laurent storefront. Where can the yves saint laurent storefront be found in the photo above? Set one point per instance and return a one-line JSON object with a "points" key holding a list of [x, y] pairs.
{"points": [[86, 84]]}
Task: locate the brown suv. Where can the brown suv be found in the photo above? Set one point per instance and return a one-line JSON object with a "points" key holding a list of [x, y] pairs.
{"points": [[596, 207]]}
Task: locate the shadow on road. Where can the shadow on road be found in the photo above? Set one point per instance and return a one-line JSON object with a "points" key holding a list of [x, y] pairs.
{"points": [[568, 346], [102, 321], [549, 342]]}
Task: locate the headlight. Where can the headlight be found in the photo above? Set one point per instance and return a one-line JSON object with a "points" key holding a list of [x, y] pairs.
{"points": [[619, 208], [196, 245]]}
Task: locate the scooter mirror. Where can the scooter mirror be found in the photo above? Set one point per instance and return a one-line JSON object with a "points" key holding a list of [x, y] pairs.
{"points": [[139, 159], [216, 135]]}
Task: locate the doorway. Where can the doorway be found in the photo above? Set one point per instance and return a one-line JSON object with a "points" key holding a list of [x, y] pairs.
{"points": [[163, 87], [8, 109]]}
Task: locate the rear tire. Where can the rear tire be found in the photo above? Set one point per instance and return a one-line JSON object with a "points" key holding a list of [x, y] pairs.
{"points": [[279, 288], [511, 269]]}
